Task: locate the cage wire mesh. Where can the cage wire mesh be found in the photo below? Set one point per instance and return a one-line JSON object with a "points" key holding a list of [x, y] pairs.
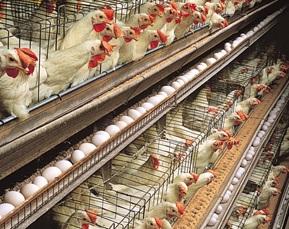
{"points": [[247, 201]]}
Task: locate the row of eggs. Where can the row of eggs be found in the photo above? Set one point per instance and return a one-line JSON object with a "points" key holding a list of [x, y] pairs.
{"points": [[248, 157]]}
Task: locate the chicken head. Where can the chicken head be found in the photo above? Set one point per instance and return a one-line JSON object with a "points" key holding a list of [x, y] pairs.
{"points": [[101, 18], [99, 53], [9, 63], [155, 161], [153, 223], [155, 37], [182, 189], [130, 34]]}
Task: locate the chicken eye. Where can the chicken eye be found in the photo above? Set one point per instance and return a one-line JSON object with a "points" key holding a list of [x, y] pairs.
{"points": [[145, 19], [11, 59], [151, 224], [155, 10], [174, 210], [155, 36], [101, 17], [130, 33], [107, 28]]}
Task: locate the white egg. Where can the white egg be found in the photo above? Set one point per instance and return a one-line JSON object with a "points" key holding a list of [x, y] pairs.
{"points": [[227, 44], [249, 157], [162, 93], [194, 71], [210, 61], [265, 127], [215, 216], [51, 173], [176, 85], [147, 106], [15, 198], [244, 163], [219, 209], [235, 44], [270, 120], [154, 100], [228, 49], [112, 129], [134, 114], [29, 190], [183, 78], [252, 148], [5, 209], [241, 171], [263, 132], [223, 51], [77, 155], [231, 187], [225, 198], [260, 135], [217, 55], [181, 82], [41, 181], [238, 175], [212, 222], [252, 152], [161, 97], [100, 138], [141, 110], [235, 181], [126, 119], [189, 76], [63, 165], [87, 148], [200, 67], [256, 141], [168, 89]]}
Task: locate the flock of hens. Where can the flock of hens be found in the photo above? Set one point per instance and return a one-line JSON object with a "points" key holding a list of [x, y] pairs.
{"points": [[98, 38]]}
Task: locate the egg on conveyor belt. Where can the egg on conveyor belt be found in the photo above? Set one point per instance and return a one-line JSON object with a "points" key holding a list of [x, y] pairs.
{"points": [[121, 124], [141, 110], [5, 209], [155, 100], [147, 106], [112, 129], [87, 148], [51, 173], [29, 190], [15, 198], [134, 114], [168, 89], [40, 181], [63, 165], [100, 137], [128, 120], [176, 85]]}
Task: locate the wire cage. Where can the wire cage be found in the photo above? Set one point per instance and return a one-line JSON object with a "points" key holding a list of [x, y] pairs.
{"points": [[247, 201]]}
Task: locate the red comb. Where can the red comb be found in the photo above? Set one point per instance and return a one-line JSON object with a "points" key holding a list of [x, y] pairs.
{"points": [[108, 11], [180, 207]]}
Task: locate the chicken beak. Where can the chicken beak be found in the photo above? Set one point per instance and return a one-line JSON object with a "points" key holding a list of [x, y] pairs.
{"points": [[268, 219], [180, 207], [152, 19], [203, 18], [195, 177], [92, 215], [117, 31], [162, 36], [106, 47], [159, 222]]}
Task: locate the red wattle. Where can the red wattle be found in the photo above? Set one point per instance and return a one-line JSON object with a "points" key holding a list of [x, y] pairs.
{"points": [[12, 72], [127, 39], [106, 38], [95, 60], [154, 44], [99, 27]]}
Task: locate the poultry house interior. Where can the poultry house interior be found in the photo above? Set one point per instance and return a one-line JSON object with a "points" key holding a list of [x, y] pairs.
{"points": [[144, 114]]}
